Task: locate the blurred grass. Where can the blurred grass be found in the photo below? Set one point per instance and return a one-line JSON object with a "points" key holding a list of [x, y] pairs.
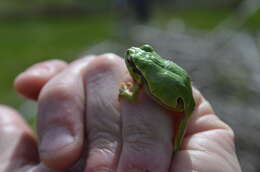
{"points": [[253, 24], [26, 41]]}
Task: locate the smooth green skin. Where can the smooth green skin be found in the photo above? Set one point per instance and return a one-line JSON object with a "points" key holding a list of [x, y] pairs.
{"points": [[166, 82]]}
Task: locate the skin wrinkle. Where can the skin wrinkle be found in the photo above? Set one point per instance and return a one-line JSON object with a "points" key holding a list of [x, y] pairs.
{"points": [[204, 108], [109, 142], [106, 149], [199, 135], [200, 110], [96, 86], [103, 105], [209, 126], [106, 154], [99, 102], [102, 126], [139, 139]]}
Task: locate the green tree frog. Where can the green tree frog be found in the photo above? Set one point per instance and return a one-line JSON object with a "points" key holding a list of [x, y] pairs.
{"points": [[164, 81]]}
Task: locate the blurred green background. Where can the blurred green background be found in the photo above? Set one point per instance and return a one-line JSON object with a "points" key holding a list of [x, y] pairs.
{"points": [[32, 31]]}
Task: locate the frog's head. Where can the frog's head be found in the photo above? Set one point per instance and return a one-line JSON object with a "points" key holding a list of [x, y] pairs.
{"points": [[135, 52], [135, 57]]}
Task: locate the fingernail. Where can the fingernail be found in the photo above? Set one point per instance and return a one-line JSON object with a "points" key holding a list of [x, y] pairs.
{"points": [[54, 139]]}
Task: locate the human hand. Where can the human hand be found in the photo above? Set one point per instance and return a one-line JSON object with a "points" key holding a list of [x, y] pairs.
{"points": [[18, 145], [82, 100]]}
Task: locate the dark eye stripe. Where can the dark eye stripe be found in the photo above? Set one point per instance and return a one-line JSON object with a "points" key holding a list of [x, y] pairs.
{"points": [[130, 61]]}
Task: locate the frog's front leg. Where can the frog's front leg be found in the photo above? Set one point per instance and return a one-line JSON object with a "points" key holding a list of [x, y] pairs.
{"points": [[129, 90]]}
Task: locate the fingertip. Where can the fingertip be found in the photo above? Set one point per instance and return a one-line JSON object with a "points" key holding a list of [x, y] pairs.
{"points": [[17, 140], [11, 119], [29, 85], [9, 116], [30, 82]]}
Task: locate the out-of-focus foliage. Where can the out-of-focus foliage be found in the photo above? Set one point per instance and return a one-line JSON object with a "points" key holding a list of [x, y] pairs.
{"points": [[28, 41], [14, 5], [253, 24]]}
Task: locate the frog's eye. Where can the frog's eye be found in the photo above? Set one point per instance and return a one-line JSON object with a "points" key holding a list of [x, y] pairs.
{"points": [[147, 48], [180, 103]]}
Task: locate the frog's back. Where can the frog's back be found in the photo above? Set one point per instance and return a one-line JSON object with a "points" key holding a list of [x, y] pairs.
{"points": [[169, 84]]}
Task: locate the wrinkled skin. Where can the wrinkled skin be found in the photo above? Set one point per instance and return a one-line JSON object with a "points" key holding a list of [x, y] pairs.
{"points": [[79, 115]]}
